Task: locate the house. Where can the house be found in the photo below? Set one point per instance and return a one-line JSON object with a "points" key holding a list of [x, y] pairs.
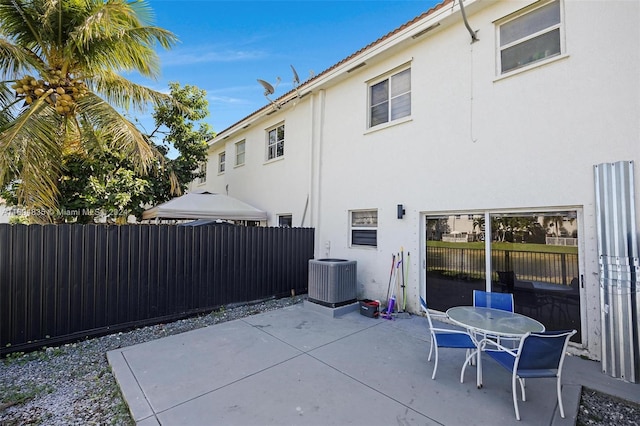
{"points": [[495, 116]]}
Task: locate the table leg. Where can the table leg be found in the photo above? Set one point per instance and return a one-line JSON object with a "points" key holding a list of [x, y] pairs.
{"points": [[479, 366]]}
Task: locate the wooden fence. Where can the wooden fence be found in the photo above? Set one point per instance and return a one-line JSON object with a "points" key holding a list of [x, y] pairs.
{"points": [[60, 283]]}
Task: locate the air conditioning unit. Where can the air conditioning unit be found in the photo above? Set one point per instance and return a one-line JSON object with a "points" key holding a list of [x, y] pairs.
{"points": [[332, 282]]}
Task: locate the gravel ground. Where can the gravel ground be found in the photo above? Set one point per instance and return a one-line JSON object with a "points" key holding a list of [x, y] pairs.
{"points": [[73, 384], [597, 409]]}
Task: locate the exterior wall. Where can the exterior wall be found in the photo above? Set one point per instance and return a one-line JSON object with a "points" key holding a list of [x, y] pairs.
{"points": [[475, 141], [5, 213], [278, 186], [478, 142]]}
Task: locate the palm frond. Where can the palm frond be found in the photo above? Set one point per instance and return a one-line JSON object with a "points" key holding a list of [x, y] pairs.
{"points": [[7, 100], [30, 152], [15, 59], [18, 21], [126, 94], [118, 131], [114, 37]]}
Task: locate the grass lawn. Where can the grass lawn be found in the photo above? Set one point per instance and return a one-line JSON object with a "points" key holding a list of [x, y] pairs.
{"points": [[538, 248]]}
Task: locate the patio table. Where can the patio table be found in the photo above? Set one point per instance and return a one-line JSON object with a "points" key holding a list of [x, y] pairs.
{"points": [[493, 322]]}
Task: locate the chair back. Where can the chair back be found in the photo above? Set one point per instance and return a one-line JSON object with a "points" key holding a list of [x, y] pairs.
{"points": [[425, 309], [543, 351], [502, 301]]}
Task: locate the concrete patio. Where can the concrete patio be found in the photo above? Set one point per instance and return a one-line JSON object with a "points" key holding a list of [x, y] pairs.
{"points": [[298, 366]]}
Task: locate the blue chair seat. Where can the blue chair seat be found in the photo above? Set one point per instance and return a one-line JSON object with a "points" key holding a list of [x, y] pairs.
{"points": [[454, 340], [503, 358], [537, 374], [507, 360]]}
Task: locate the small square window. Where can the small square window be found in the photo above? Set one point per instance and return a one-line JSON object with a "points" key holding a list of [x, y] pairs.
{"points": [[364, 228], [221, 162], [275, 142], [240, 147], [285, 220], [530, 37], [390, 99]]}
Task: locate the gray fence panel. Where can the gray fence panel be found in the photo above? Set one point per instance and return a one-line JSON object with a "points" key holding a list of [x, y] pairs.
{"points": [[60, 283]]}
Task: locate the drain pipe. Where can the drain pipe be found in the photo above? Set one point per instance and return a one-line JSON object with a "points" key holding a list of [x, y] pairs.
{"points": [[474, 36]]}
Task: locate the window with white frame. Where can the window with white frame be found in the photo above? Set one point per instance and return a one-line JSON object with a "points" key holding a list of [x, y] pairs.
{"points": [[203, 172], [530, 37], [221, 161], [275, 142], [364, 228], [240, 147], [390, 99]]}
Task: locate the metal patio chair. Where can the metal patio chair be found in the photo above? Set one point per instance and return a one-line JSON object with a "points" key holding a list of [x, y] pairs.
{"points": [[540, 355], [483, 299], [447, 338], [502, 301]]}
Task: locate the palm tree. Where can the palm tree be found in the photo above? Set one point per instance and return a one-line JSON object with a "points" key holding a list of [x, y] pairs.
{"points": [[62, 90]]}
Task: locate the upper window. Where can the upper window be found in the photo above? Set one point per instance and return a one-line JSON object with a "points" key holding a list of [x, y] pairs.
{"points": [[531, 37], [364, 228], [240, 146], [203, 172], [390, 99], [221, 162], [275, 142]]}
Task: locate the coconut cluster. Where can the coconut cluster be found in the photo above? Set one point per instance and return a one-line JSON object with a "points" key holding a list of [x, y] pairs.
{"points": [[59, 91]]}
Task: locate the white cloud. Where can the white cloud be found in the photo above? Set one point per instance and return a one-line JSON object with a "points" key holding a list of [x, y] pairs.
{"points": [[229, 100], [208, 54]]}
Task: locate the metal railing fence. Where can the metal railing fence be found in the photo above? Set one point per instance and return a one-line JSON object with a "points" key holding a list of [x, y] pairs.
{"points": [[557, 268]]}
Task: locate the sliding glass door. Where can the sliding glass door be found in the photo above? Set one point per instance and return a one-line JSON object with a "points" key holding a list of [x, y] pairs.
{"points": [[533, 255]]}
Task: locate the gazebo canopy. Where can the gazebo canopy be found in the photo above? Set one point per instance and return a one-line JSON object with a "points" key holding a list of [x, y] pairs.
{"points": [[205, 205]]}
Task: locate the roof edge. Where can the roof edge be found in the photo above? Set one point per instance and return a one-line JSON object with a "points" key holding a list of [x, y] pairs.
{"points": [[308, 85]]}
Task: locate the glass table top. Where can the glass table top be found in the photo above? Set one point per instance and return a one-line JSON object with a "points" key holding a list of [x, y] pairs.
{"points": [[493, 321]]}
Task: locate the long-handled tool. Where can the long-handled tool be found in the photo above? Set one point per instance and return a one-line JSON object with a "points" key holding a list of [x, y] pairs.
{"points": [[406, 277], [390, 307], [393, 265], [403, 288], [391, 304]]}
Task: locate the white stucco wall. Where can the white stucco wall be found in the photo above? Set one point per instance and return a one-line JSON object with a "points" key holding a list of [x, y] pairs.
{"points": [[480, 142], [475, 141], [277, 186]]}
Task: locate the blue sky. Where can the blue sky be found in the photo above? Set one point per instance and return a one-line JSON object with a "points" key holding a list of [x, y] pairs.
{"points": [[226, 45]]}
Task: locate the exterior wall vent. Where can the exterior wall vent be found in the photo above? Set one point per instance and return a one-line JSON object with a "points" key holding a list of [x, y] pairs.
{"points": [[332, 282]]}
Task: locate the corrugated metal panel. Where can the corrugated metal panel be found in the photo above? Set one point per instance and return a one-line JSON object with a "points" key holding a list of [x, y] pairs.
{"points": [[63, 282], [618, 257]]}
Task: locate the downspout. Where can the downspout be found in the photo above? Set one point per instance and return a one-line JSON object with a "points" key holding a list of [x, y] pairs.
{"points": [[315, 165], [474, 36], [306, 206]]}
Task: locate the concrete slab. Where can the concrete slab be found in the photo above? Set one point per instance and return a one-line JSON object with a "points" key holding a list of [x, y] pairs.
{"points": [[296, 366], [307, 329], [395, 361], [301, 391], [139, 406], [175, 369]]}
